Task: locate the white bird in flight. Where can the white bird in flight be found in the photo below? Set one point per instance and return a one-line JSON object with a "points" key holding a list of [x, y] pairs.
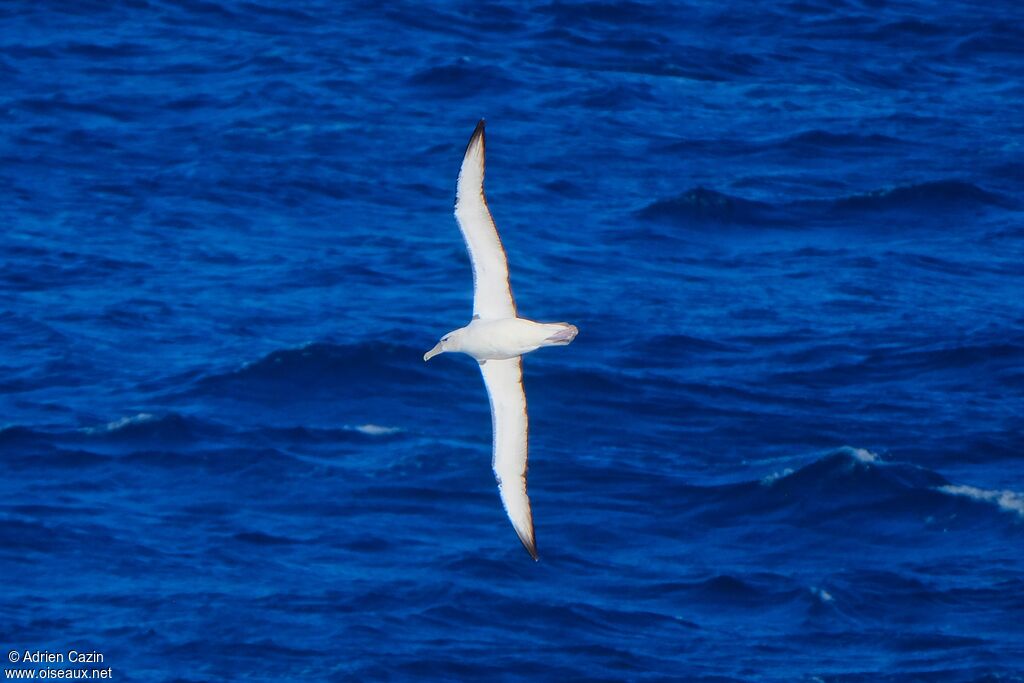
{"points": [[497, 338]]}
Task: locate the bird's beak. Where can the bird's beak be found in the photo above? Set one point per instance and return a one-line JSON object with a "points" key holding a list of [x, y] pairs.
{"points": [[433, 352]]}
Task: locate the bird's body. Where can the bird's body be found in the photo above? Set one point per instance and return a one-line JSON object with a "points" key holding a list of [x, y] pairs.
{"points": [[504, 338], [497, 338]]}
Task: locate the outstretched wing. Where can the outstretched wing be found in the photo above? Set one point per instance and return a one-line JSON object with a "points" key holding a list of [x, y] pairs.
{"points": [[492, 294], [504, 381]]}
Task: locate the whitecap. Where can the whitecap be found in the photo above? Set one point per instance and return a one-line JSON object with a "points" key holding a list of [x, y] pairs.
{"points": [[861, 454], [125, 421], [376, 430], [775, 476], [1011, 501], [121, 424]]}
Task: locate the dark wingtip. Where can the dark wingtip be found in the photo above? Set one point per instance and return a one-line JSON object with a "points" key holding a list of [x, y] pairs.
{"points": [[531, 546], [478, 132]]}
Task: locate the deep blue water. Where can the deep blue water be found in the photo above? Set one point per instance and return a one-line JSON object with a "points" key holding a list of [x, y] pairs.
{"points": [[786, 446]]}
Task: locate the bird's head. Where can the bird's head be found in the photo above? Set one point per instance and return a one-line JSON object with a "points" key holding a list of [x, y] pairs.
{"points": [[449, 342]]}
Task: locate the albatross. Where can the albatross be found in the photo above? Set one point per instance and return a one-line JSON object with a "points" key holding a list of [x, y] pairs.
{"points": [[497, 338]]}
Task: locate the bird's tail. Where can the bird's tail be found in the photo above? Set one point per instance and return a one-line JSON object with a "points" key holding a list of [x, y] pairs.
{"points": [[562, 335]]}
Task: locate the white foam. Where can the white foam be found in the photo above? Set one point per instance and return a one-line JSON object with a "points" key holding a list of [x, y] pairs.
{"points": [[376, 430], [121, 424], [125, 421], [862, 454], [822, 594], [1011, 501], [775, 476], [859, 454]]}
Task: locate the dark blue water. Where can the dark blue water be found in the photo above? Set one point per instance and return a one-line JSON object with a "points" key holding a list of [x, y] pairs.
{"points": [[787, 444]]}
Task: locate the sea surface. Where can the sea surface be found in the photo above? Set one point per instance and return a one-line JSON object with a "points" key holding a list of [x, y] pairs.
{"points": [[787, 445]]}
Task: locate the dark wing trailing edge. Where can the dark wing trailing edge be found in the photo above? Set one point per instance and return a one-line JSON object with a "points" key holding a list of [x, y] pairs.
{"points": [[504, 381], [492, 293]]}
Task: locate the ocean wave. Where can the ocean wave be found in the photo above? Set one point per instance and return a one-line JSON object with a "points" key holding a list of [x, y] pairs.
{"points": [[702, 205], [263, 538], [65, 268], [462, 79], [96, 51], [318, 367], [1010, 501], [997, 358], [857, 482], [173, 432], [230, 461], [851, 473], [124, 422], [618, 97], [818, 139], [1000, 38], [25, 332], [168, 428], [674, 345], [376, 430], [747, 592], [363, 433], [13, 435], [940, 194], [610, 14]]}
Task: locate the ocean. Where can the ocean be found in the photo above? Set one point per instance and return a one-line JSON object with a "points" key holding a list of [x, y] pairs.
{"points": [[786, 445]]}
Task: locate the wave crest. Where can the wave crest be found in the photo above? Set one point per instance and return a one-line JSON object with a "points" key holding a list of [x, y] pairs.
{"points": [[946, 194], [702, 206], [1010, 501], [318, 367]]}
